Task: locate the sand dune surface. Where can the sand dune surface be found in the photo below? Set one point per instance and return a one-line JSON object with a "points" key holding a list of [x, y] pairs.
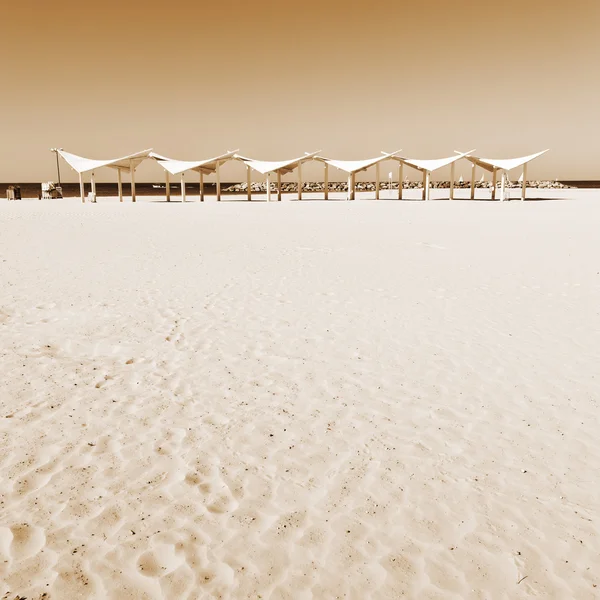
{"points": [[368, 400]]}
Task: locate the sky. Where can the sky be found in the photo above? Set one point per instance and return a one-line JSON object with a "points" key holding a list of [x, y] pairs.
{"points": [[193, 79]]}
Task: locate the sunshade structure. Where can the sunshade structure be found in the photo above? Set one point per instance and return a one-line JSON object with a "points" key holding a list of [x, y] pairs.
{"points": [[352, 167], [493, 165], [203, 167], [427, 167], [88, 165], [279, 168]]}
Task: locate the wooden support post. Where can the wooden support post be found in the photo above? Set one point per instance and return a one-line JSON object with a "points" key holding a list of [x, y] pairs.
{"points": [[503, 190], [351, 186], [93, 186], [426, 181], [473, 167], [81, 187], [326, 183], [452, 181], [494, 181], [524, 184], [268, 187], [201, 186], [183, 187], [218, 182], [400, 180], [279, 186], [167, 186], [249, 182], [377, 176], [120, 185], [132, 171], [299, 181]]}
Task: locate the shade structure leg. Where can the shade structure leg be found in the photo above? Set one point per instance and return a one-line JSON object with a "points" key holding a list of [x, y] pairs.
{"points": [[425, 194], [326, 183], [494, 181], [279, 186], [168, 186], [503, 191], [249, 183], [299, 181], [400, 180], [473, 167], [268, 187], [81, 187], [524, 184], [452, 181], [201, 186], [218, 172], [132, 171], [120, 185], [351, 187], [93, 186], [182, 187], [377, 183]]}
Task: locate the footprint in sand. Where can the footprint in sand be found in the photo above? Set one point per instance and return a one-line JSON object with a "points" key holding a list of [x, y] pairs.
{"points": [[27, 541], [159, 561], [434, 246], [222, 504], [32, 482]]}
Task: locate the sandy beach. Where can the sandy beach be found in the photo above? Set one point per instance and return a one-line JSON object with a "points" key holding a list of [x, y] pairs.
{"points": [[307, 400]]}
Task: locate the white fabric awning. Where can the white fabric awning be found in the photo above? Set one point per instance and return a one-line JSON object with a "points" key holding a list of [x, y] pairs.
{"points": [[206, 167], [281, 166], [432, 164], [354, 166], [504, 164], [84, 165]]}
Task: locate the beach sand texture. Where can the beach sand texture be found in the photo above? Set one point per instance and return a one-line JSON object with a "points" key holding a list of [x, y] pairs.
{"points": [[300, 400]]}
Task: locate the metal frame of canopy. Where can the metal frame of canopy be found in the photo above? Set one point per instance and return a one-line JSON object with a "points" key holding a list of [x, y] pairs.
{"points": [[352, 167], [493, 165], [280, 168], [202, 167], [83, 165], [427, 167]]}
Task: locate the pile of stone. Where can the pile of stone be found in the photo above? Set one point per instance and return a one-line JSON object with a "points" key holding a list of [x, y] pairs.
{"points": [[369, 186], [548, 185]]}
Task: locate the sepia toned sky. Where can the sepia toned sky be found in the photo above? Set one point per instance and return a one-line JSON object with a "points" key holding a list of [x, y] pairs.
{"points": [[192, 79]]}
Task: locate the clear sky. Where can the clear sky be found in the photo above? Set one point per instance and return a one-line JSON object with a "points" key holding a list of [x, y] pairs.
{"points": [[192, 79]]}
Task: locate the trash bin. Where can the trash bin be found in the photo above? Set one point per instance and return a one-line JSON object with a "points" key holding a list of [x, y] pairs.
{"points": [[10, 192], [17, 192]]}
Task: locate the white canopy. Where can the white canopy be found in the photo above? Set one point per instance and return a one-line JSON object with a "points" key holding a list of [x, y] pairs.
{"points": [[84, 165], [283, 166], [202, 166], [354, 166], [432, 164], [504, 164]]}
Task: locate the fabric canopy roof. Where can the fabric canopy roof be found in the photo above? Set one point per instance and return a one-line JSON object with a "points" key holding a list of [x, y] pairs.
{"points": [[504, 164], [282, 166], [431, 164], [84, 165], [354, 166], [204, 166]]}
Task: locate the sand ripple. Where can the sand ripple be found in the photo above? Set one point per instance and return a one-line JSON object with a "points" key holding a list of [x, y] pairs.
{"points": [[299, 401]]}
